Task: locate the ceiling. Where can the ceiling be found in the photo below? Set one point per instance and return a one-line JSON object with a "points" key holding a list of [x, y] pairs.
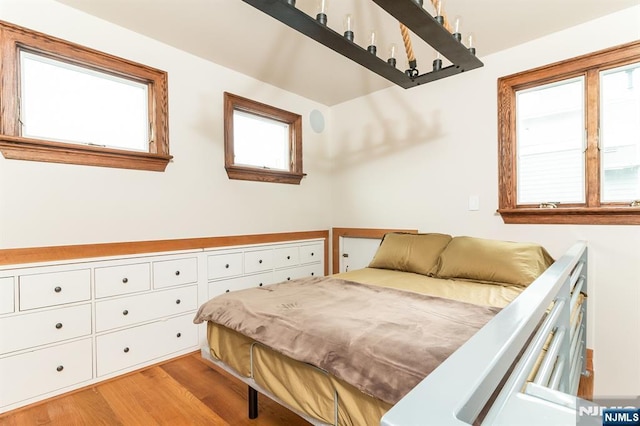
{"points": [[235, 35]]}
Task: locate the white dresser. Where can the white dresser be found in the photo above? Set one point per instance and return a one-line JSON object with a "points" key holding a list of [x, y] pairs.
{"points": [[65, 325], [257, 265]]}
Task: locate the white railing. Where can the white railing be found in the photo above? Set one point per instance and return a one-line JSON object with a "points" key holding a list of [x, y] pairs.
{"points": [[486, 381]]}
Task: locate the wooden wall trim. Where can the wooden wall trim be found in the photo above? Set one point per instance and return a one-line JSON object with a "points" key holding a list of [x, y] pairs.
{"points": [[336, 233], [57, 253]]}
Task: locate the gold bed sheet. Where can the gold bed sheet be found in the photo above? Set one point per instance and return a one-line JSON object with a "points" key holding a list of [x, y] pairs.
{"points": [[462, 290], [310, 390]]}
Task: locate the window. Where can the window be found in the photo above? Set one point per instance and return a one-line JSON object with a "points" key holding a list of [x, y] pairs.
{"points": [[569, 140], [262, 143], [69, 104]]}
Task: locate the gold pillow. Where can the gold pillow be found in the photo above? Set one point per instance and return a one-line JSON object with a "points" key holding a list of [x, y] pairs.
{"points": [[493, 261], [416, 253]]}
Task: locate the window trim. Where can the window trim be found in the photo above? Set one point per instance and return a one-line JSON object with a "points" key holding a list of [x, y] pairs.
{"points": [[593, 211], [292, 176], [14, 146]]}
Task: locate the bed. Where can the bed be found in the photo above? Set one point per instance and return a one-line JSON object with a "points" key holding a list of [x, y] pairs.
{"points": [[463, 280]]}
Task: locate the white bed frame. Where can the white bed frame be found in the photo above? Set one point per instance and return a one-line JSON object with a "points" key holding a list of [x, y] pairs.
{"points": [[488, 374]]}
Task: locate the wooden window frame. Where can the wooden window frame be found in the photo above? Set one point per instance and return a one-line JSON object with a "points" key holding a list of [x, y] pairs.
{"points": [[593, 211], [13, 145], [292, 176]]}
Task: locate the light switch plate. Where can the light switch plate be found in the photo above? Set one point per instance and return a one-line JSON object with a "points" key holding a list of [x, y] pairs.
{"points": [[474, 202]]}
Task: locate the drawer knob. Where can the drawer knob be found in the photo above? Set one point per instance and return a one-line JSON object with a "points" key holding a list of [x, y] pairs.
{"points": [[60, 368], [288, 278], [125, 312], [125, 280], [58, 289], [126, 350], [260, 285], [177, 273], [260, 261], [312, 253], [59, 325], [227, 291], [177, 301], [288, 257], [179, 335], [226, 266], [313, 273]]}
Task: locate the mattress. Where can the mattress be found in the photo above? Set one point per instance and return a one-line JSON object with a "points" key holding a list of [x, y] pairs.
{"points": [[313, 391]]}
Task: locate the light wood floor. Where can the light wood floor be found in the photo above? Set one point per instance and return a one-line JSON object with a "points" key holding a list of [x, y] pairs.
{"points": [[585, 387], [184, 391]]}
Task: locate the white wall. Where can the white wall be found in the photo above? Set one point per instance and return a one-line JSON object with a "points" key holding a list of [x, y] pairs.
{"points": [[43, 204], [411, 158]]}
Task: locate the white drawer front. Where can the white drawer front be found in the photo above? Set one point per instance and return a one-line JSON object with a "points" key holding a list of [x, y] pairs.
{"points": [[258, 260], [311, 253], [122, 279], [6, 295], [286, 256], [29, 330], [126, 348], [259, 280], [133, 346], [240, 283], [178, 334], [285, 275], [131, 310], [175, 272], [316, 270], [307, 271], [56, 288], [224, 265], [46, 370]]}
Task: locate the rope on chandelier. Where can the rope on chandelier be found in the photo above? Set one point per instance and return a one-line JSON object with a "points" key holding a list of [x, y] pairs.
{"points": [[413, 72]]}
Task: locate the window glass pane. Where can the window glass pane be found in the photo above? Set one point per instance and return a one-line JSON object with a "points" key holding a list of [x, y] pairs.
{"points": [[68, 103], [620, 133], [550, 143], [260, 142]]}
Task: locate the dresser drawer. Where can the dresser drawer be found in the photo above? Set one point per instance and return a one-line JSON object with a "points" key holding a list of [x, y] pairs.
{"points": [[177, 334], [128, 348], [315, 270], [169, 273], [217, 288], [122, 279], [286, 275], [131, 310], [285, 256], [55, 288], [311, 253], [258, 260], [46, 370], [224, 265], [6, 295], [258, 280], [30, 330], [306, 271]]}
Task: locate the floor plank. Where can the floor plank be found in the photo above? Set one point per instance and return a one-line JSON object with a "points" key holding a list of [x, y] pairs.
{"points": [[183, 391], [233, 407], [585, 388]]}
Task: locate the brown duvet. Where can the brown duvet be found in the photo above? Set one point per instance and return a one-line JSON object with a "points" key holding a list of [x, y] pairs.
{"points": [[381, 340]]}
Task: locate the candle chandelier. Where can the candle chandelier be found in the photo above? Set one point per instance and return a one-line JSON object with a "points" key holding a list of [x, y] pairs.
{"points": [[434, 30]]}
